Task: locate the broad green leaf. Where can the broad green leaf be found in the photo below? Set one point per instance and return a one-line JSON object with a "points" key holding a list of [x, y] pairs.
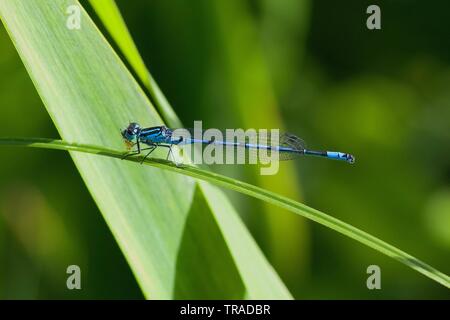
{"points": [[253, 191], [280, 228], [153, 214], [111, 18]]}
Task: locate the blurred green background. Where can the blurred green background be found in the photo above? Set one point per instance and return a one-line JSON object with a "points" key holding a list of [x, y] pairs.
{"points": [[309, 67]]}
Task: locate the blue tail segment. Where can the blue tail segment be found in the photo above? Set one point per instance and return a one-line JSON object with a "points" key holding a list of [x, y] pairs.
{"points": [[332, 155], [341, 156]]}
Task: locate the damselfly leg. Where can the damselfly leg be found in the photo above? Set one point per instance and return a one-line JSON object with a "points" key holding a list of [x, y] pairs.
{"points": [[139, 150], [169, 153], [152, 148]]}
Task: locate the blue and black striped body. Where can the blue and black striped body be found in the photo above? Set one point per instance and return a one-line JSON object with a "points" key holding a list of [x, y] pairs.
{"points": [[155, 135]]}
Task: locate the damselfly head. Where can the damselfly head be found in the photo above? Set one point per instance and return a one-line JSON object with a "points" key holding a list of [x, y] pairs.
{"points": [[130, 133]]}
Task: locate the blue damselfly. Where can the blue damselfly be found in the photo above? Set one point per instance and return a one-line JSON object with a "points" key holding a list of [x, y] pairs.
{"points": [[286, 145]]}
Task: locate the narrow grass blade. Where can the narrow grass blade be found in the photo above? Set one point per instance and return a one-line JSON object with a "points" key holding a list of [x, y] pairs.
{"points": [[253, 191], [109, 14]]}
